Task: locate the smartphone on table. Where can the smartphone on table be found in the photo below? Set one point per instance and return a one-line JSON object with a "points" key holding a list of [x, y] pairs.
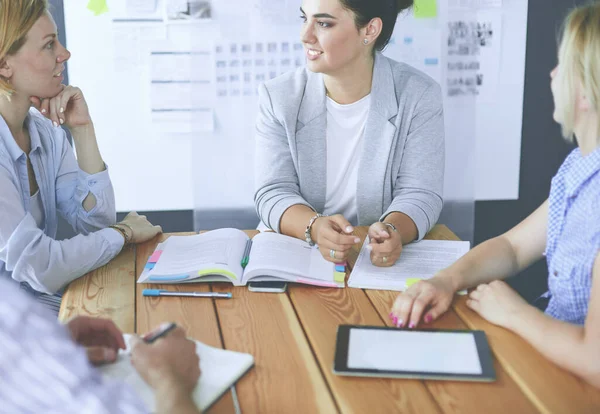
{"points": [[268, 287]]}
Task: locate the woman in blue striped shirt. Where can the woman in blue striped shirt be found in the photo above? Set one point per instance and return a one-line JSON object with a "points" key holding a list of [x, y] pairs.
{"points": [[39, 175], [566, 229]]}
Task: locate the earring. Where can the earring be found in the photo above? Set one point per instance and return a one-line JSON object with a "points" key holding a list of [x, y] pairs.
{"points": [[366, 41]]}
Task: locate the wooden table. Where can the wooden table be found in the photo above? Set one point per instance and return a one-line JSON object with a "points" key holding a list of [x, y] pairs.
{"points": [[292, 338]]}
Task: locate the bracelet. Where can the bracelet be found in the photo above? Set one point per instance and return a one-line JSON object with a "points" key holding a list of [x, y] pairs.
{"points": [[122, 231], [390, 225], [307, 235], [130, 229]]}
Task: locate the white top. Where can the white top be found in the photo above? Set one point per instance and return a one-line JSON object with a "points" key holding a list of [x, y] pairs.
{"points": [[345, 130], [37, 209]]}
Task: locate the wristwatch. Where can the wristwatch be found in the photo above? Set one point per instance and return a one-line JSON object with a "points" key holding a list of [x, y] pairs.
{"points": [[307, 235]]}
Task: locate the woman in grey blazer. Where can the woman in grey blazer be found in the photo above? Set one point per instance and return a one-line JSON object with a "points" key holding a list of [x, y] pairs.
{"points": [[353, 139]]}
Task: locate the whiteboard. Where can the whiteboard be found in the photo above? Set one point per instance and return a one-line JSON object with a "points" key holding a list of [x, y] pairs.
{"points": [[176, 129]]}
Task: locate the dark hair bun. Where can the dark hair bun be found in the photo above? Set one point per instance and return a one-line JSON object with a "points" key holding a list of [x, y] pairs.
{"points": [[403, 5]]}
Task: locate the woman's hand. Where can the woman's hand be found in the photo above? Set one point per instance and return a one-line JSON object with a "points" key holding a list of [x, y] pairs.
{"points": [[139, 229], [385, 245], [334, 236], [430, 298], [496, 302], [67, 108]]}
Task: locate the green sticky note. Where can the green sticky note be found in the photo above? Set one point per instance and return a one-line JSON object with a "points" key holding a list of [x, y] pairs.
{"points": [[411, 281], [339, 277], [98, 7], [425, 9]]}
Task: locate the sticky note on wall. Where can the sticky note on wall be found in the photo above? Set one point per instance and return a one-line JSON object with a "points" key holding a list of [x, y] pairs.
{"points": [[425, 9], [98, 7]]}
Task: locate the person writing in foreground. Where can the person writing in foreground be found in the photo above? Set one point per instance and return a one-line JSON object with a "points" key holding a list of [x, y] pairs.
{"points": [[45, 367], [40, 177], [353, 139], [565, 228]]}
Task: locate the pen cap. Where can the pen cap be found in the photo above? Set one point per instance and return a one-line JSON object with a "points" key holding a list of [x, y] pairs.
{"points": [[151, 292]]}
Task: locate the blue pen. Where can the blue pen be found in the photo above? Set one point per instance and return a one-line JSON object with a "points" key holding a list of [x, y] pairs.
{"points": [[161, 292]]}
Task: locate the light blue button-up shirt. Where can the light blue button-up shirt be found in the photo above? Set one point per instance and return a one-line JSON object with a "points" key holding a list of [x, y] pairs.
{"points": [[30, 254], [573, 241]]}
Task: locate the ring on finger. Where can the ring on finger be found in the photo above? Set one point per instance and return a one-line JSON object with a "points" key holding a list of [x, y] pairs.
{"points": [[332, 253]]}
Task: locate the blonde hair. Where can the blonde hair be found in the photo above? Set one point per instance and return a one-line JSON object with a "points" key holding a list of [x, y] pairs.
{"points": [[579, 59], [17, 17]]}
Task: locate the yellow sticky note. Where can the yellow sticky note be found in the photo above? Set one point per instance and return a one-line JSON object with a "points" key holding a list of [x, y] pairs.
{"points": [[339, 277], [98, 7], [425, 9], [411, 281]]}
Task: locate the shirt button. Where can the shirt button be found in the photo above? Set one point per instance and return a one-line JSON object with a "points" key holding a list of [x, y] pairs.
{"points": [[555, 273], [92, 183]]}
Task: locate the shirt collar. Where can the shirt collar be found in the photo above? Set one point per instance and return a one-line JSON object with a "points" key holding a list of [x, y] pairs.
{"points": [[9, 141], [582, 169]]}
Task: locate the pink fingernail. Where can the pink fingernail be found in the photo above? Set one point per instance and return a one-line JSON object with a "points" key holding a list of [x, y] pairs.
{"points": [[395, 320], [412, 325], [356, 240], [43, 111], [399, 323], [428, 318], [391, 315]]}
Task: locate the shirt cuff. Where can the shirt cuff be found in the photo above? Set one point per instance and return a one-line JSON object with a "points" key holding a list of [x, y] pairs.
{"points": [[416, 214], [94, 183], [114, 239]]}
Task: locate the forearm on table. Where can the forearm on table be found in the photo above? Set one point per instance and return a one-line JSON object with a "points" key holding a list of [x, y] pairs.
{"points": [[563, 343], [295, 219], [491, 260], [405, 226]]}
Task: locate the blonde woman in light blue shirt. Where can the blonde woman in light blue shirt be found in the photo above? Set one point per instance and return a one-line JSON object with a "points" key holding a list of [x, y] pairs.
{"points": [[39, 175]]}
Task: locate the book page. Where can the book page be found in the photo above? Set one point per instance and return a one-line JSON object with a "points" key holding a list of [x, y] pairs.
{"points": [[274, 254], [220, 369], [420, 260], [221, 248]]}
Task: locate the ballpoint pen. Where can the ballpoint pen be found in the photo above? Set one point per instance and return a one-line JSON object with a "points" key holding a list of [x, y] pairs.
{"points": [[161, 292]]}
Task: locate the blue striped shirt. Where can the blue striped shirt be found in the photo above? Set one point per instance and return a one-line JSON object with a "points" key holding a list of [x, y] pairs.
{"points": [[573, 241], [43, 371], [30, 254]]}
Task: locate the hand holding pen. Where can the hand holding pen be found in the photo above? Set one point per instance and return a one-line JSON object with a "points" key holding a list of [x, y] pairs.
{"points": [[166, 358]]}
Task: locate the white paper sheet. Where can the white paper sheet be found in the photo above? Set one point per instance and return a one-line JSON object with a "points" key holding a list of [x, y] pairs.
{"points": [[420, 260]]}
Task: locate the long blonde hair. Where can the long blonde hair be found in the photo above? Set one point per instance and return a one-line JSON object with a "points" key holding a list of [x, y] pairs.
{"points": [[17, 17], [579, 60]]}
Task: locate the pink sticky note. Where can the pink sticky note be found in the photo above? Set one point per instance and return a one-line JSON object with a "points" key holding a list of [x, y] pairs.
{"points": [[155, 256], [316, 283]]}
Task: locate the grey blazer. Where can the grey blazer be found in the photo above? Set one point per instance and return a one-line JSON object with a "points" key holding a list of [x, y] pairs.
{"points": [[402, 163]]}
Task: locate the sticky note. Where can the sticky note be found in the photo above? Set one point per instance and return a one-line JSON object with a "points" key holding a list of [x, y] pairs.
{"points": [[149, 266], [98, 7], [425, 9], [155, 256], [340, 268], [411, 281], [339, 277]]}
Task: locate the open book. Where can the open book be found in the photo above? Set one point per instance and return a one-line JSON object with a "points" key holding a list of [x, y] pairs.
{"points": [[419, 260], [228, 255], [220, 369]]}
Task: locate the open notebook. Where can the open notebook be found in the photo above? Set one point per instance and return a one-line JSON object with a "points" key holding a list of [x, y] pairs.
{"points": [[419, 260], [220, 369], [228, 255]]}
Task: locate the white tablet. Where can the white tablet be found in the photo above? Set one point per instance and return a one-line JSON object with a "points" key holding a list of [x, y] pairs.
{"points": [[416, 353]]}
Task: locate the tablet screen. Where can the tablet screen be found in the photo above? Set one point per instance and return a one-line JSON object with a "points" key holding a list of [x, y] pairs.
{"points": [[413, 351]]}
